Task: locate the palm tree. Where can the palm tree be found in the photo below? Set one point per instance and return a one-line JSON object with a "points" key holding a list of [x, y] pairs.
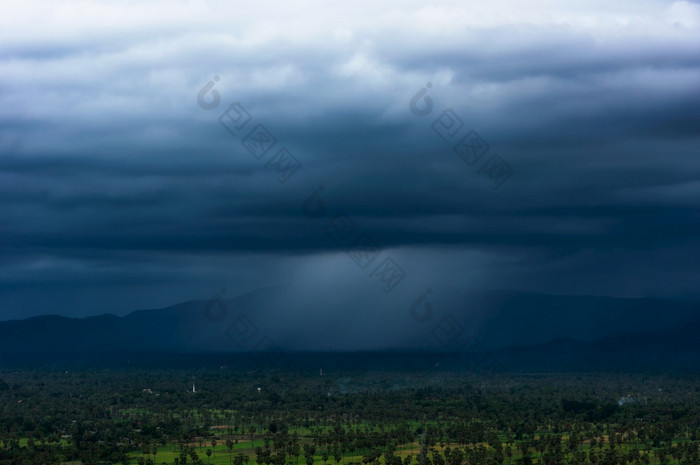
{"points": [[229, 446]]}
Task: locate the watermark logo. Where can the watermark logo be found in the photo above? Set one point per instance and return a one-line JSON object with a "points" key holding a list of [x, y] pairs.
{"points": [[497, 170], [215, 97], [258, 142], [421, 95], [245, 334], [284, 164], [447, 125], [389, 273], [471, 148], [451, 336], [234, 118]]}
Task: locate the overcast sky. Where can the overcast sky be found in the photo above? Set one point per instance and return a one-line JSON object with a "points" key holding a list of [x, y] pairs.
{"points": [[120, 188]]}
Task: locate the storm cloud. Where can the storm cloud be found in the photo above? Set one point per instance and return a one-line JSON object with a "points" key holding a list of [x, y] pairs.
{"points": [[119, 191]]}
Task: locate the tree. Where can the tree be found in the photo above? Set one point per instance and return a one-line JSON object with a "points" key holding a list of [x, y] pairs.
{"points": [[229, 446], [337, 455]]}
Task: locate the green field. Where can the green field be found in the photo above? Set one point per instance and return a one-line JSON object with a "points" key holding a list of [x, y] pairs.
{"points": [[352, 418]]}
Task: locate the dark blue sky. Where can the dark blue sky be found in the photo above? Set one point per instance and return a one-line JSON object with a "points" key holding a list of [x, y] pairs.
{"points": [[120, 189]]}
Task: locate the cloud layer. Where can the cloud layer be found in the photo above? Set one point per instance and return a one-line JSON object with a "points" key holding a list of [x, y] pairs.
{"points": [[119, 191]]}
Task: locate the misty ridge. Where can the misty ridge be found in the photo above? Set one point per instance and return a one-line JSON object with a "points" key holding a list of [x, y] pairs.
{"points": [[521, 330]]}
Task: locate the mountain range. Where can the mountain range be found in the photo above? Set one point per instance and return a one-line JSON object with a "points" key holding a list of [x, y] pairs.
{"points": [[522, 330]]}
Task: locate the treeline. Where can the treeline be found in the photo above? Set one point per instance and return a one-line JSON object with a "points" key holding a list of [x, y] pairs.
{"points": [[348, 418]]}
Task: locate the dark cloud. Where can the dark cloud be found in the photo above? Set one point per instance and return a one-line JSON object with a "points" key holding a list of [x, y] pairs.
{"points": [[116, 187]]}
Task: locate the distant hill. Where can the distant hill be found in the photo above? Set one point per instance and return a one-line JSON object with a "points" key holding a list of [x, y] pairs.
{"points": [[522, 328], [678, 349], [518, 318]]}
